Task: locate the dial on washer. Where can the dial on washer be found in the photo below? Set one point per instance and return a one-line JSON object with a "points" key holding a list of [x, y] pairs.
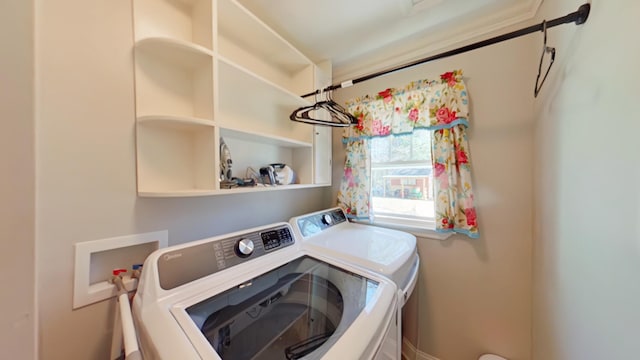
{"points": [[244, 247]]}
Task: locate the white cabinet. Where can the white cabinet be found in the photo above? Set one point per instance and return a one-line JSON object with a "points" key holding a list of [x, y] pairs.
{"points": [[206, 69]]}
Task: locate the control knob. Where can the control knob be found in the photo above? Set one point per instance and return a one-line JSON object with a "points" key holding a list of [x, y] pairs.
{"points": [[244, 247], [327, 219]]}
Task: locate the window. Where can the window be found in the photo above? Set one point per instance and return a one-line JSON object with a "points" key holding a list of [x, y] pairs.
{"points": [[401, 179], [388, 173]]}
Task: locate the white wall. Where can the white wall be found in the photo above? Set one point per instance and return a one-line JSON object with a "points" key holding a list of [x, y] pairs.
{"points": [[17, 177], [587, 227], [474, 296], [86, 169]]}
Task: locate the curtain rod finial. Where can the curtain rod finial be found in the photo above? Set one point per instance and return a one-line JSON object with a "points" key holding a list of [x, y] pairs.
{"points": [[583, 14]]}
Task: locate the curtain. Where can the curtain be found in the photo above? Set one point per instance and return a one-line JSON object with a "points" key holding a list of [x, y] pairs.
{"points": [[438, 105]]}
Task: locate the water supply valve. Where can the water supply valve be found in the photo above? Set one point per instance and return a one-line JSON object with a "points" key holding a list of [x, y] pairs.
{"points": [[117, 272]]}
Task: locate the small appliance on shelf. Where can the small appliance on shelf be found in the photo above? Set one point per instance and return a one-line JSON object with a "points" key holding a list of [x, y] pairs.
{"points": [[277, 174], [227, 181], [226, 174]]}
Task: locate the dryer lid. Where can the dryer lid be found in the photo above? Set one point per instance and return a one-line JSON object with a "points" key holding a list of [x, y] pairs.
{"points": [[386, 251], [382, 250]]}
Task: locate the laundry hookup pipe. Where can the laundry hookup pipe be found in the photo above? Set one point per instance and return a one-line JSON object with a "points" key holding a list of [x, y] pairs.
{"points": [[131, 350]]}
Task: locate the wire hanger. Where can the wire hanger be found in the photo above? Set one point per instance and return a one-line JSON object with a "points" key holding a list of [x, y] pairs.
{"points": [[338, 115], [337, 111], [545, 49]]}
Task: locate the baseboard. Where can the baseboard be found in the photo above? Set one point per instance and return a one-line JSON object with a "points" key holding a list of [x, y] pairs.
{"points": [[425, 356], [409, 352]]}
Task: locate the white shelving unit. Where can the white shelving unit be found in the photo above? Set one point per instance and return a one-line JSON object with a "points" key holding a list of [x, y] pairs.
{"points": [[207, 69]]}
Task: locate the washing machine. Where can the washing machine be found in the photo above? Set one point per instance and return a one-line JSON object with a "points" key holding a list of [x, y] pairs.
{"points": [[390, 253], [258, 294]]}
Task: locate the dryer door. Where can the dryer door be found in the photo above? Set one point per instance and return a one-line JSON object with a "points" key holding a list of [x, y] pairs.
{"points": [[299, 310]]}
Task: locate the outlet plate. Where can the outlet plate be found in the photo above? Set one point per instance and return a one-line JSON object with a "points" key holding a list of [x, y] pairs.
{"points": [[84, 292]]}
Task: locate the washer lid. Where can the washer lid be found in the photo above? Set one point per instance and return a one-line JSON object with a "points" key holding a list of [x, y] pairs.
{"points": [[301, 307]]}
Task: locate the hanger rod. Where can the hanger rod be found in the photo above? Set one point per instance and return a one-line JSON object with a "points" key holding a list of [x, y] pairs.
{"points": [[578, 17]]}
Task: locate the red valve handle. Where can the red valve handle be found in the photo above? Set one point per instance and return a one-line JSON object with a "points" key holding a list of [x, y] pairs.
{"points": [[117, 272]]}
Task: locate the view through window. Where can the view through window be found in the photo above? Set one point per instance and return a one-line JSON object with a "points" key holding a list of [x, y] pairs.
{"points": [[401, 178]]}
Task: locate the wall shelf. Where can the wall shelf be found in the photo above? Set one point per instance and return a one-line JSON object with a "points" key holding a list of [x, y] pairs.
{"points": [[210, 69], [177, 52], [179, 122], [267, 112], [242, 190], [175, 156], [264, 139], [246, 40], [232, 191], [173, 78], [186, 20]]}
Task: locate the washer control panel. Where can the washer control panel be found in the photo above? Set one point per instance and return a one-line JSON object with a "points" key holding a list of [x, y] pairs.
{"points": [[318, 222], [186, 264], [276, 238]]}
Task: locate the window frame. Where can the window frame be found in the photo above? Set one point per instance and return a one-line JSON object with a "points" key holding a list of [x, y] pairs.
{"points": [[421, 232], [418, 226]]}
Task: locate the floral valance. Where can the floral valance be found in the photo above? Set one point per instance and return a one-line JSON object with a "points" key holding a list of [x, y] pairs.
{"points": [[426, 104]]}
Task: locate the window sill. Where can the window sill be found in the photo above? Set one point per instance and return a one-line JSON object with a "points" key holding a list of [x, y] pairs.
{"points": [[418, 231]]}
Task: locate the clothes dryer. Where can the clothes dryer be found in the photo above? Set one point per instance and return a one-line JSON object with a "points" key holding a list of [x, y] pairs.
{"points": [[390, 253]]}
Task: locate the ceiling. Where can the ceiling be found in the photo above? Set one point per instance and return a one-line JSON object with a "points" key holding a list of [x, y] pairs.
{"points": [[367, 35]]}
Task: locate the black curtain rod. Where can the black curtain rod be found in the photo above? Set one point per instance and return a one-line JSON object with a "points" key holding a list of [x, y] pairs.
{"points": [[578, 17]]}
